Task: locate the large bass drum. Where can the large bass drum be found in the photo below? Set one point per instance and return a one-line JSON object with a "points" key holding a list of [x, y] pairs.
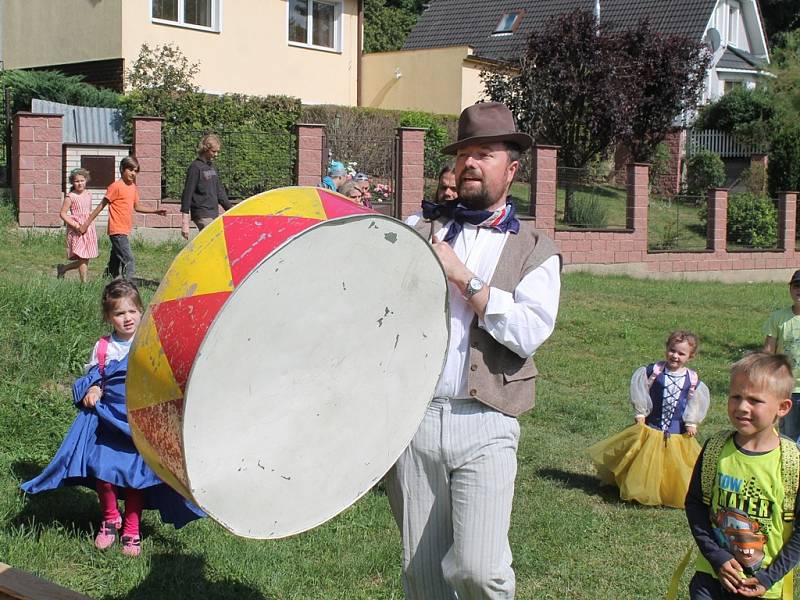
{"points": [[287, 359]]}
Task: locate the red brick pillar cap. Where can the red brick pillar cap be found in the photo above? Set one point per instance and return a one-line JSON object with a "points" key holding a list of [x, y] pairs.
{"points": [[547, 146], [146, 118]]}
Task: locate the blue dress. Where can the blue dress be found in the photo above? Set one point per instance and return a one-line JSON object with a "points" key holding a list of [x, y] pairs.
{"points": [[98, 445]]}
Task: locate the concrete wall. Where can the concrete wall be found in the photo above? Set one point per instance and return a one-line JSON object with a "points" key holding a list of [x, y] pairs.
{"points": [[438, 80], [44, 32], [251, 53]]}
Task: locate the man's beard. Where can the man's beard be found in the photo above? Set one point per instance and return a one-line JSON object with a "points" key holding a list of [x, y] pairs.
{"points": [[476, 199]]}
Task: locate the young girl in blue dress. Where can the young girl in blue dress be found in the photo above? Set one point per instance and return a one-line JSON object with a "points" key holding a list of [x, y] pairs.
{"points": [[652, 461], [98, 450]]}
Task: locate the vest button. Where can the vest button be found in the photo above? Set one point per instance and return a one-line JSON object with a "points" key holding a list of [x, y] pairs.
{"points": [[473, 367], [473, 393]]}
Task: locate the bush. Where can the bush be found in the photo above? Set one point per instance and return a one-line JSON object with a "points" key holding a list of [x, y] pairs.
{"points": [[704, 170], [586, 212], [752, 221], [256, 132], [784, 161], [754, 179], [659, 165], [736, 108], [55, 87], [435, 139]]}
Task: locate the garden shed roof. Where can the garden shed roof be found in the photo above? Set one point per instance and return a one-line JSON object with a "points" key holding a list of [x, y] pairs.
{"points": [[473, 22]]}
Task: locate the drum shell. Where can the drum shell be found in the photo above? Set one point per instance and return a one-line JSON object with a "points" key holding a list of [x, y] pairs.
{"points": [[224, 262]]}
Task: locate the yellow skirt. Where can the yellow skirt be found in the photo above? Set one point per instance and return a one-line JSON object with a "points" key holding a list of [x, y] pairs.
{"points": [[645, 468]]}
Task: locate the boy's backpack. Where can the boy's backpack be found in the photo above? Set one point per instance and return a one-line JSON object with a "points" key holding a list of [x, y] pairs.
{"points": [[658, 368], [790, 477], [790, 470]]}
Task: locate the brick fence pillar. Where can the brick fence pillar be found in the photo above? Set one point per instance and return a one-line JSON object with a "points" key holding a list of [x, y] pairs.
{"points": [[147, 150], [410, 171], [37, 172], [543, 187], [717, 219], [638, 198], [787, 221], [310, 163]]}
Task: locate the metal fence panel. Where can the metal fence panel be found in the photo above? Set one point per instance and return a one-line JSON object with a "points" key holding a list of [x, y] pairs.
{"points": [[249, 162], [719, 142]]}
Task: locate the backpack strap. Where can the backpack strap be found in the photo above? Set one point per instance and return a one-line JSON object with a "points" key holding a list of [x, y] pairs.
{"points": [[790, 475], [711, 454], [693, 381], [658, 368], [102, 353]]}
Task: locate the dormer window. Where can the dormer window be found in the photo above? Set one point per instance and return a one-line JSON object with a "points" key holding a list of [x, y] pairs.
{"points": [[509, 22]]}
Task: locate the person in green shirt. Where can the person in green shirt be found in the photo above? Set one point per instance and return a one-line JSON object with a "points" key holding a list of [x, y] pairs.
{"points": [[782, 331]]}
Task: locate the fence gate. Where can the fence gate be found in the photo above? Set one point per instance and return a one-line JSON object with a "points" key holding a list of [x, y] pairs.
{"points": [[377, 157]]}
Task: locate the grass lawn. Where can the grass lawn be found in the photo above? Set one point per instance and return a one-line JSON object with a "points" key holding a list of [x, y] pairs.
{"points": [[570, 537]]}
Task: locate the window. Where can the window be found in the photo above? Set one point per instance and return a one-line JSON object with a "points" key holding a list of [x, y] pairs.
{"points": [[315, 23], [733, 24], [201, 14], [509, 22]]}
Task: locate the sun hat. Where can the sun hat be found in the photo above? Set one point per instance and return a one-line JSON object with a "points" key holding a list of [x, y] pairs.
{"points": [[336, 169], [361, 177], [488, 122], [795, 277]]}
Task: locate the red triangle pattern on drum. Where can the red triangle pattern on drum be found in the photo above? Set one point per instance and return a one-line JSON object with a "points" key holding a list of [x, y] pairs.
{"points": [[161, 426], [182, 325], [251, 238], [336, 206]]}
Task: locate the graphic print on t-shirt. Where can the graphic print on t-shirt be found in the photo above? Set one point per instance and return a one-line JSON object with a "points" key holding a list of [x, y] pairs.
{"points": [[742, 523]]}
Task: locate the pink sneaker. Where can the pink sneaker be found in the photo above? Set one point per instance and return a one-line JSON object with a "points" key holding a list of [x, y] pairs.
{"points": [[107, 534], [131, 545]]}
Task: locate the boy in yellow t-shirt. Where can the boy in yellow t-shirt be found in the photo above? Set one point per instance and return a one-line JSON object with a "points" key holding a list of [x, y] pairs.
{"points": [[122, 198], [738, 512]]}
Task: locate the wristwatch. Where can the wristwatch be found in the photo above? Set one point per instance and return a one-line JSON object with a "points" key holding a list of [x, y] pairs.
{"points": [[474, 285]]}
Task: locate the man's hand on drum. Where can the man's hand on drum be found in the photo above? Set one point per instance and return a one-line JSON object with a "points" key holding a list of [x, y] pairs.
{"points": [[454, 269]]}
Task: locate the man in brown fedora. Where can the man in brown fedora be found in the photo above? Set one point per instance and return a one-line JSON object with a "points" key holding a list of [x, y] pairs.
{"points": [[453, 487]]}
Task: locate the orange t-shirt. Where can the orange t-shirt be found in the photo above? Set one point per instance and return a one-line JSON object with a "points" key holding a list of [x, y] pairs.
{"points": [[121, 198]]}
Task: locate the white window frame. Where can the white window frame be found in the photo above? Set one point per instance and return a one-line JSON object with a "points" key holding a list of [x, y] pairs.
{"points": [[338, 9], [216, 17], [734, 20]]}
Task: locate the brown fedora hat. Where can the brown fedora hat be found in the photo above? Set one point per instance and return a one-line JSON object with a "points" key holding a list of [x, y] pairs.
{"points": [[487, 122]]}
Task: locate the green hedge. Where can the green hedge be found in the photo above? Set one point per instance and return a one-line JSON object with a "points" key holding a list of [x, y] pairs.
{"points": [[257, 134], [784, 162]]}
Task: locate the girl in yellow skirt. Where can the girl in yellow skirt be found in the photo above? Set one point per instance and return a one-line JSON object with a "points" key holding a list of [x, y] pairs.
{"points": [[651, 462]]}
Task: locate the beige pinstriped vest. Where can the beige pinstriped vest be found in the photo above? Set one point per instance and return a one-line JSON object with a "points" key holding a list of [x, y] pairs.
{"points": [[497, 376]]}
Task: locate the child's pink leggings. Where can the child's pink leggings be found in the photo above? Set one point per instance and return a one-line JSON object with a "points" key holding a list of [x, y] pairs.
{"points": [[134, 504]]}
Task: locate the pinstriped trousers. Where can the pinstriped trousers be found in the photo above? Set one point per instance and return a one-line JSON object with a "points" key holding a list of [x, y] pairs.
{"points": [[451, 492]]}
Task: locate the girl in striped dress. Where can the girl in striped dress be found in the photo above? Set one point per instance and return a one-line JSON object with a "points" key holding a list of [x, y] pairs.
{"points": [[81, 242]]}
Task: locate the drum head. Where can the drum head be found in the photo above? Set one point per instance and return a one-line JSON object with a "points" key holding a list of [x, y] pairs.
{"points": [[312, 377]]}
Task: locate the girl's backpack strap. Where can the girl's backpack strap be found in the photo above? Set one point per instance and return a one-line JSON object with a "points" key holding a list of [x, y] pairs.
{"points": [[102, 353], [711, 454], [658, 368], [790, 474]]}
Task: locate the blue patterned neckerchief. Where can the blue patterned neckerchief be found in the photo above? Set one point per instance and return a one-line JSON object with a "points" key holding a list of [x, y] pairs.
{"points": [[503, 219]]}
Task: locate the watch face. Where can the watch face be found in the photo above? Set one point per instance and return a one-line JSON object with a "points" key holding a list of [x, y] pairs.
{"points": [[474, 286]]}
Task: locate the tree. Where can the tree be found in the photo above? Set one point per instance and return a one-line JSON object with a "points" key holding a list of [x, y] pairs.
{"points": [[388, 23], [779, 15], [584, 87], [662, 77], [164, 68], [55, 87]]}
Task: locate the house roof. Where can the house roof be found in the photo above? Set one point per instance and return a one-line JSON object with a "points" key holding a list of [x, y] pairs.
{"points": [[734, 58], [471, 22]]}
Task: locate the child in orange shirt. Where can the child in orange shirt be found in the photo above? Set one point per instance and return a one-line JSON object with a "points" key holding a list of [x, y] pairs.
{"points": [[122, 198]]}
